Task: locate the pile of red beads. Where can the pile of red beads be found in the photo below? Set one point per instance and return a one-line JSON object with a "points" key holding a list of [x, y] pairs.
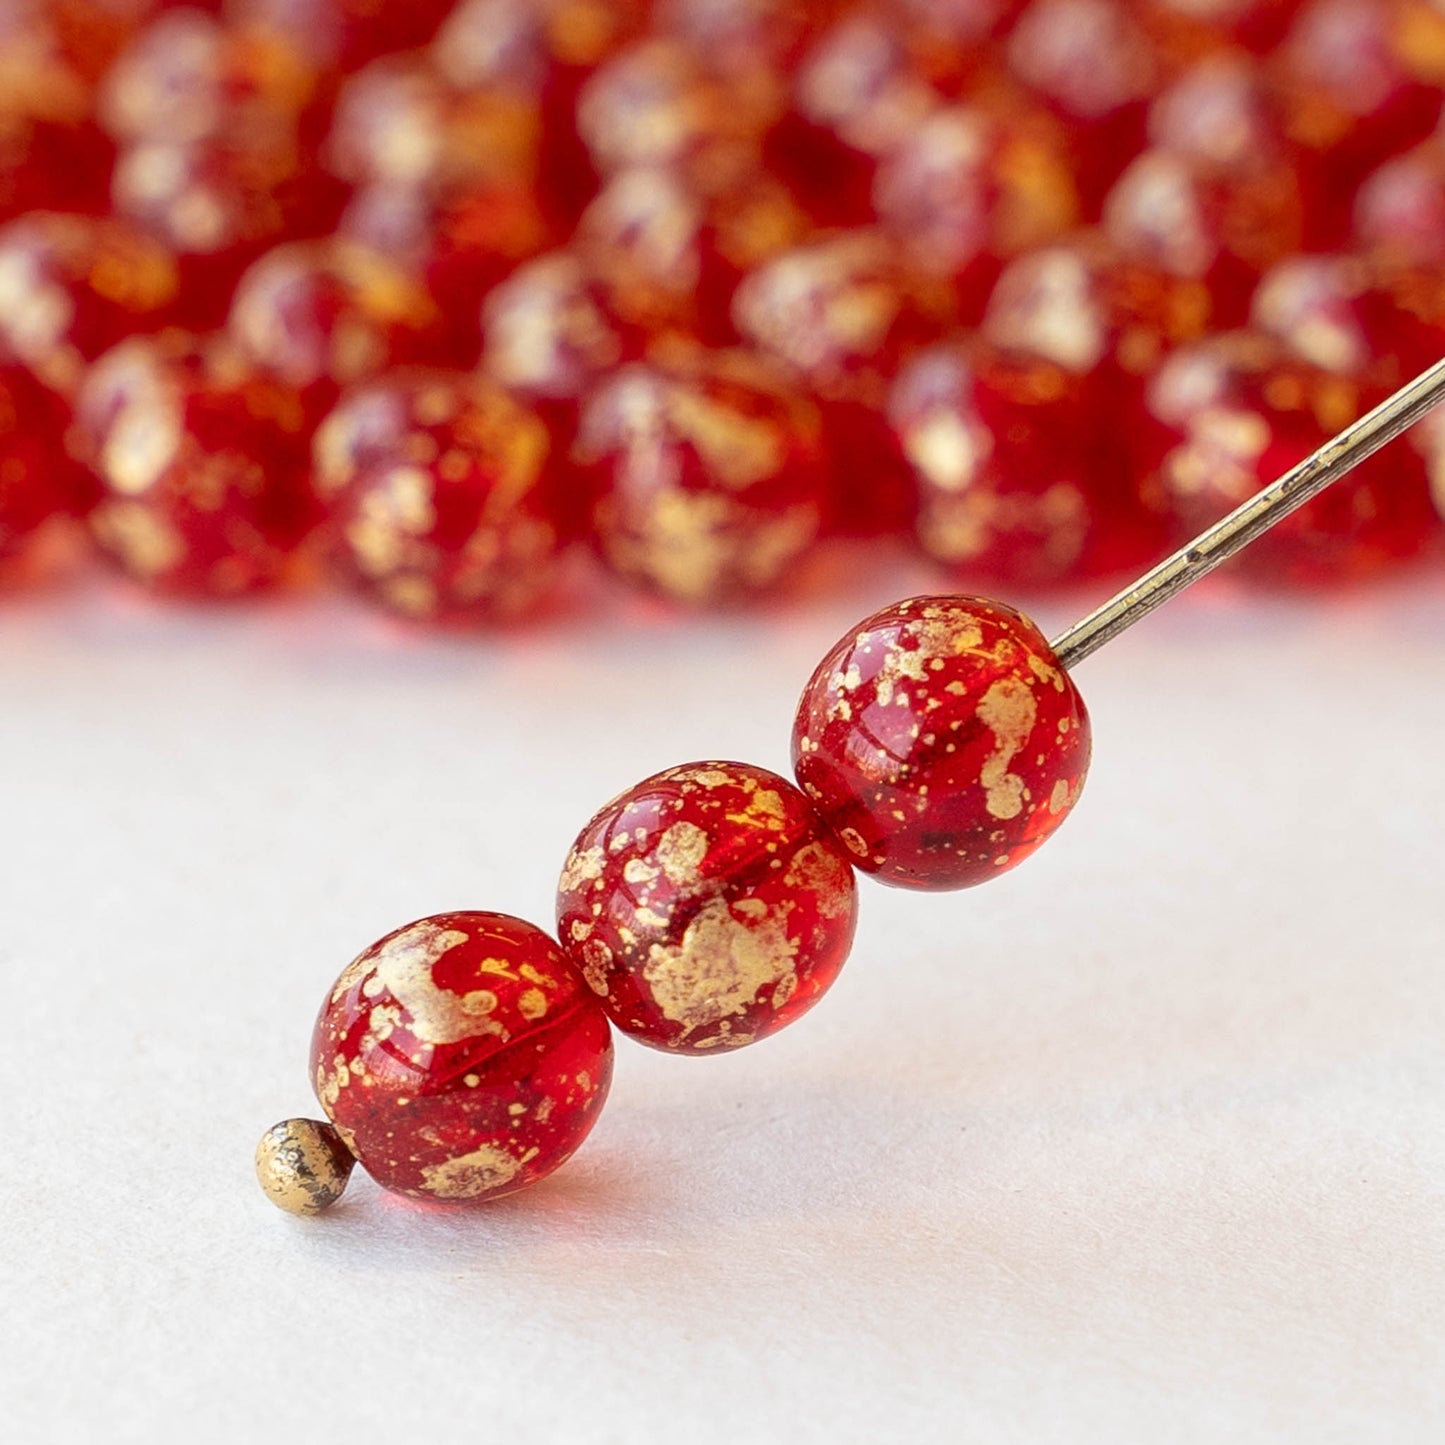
{"points": [[467, 1055], [429, 292]]}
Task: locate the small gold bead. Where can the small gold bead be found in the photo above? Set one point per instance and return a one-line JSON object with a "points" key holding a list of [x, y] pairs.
{"points": [[303, 1166]]}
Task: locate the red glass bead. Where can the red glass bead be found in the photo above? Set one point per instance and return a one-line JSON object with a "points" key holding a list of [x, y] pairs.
{"points": [[1020, 479], [37, 478], [1238, 412], [401, 123], [440, 505], [1316, 308], [72, 286], [317, 316], [1349, 102], [1092, 63], [1016, 442], [462, 1057], [856, 96], [1399, 230], [654, 104], [968, 188], [941, 742], [212, 157], [202, 465], [545, 331], [707, 472], [706, 907], [838, 314], [1214, 201], [664, 256]]}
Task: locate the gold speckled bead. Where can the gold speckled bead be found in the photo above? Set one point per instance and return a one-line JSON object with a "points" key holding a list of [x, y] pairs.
{"points": [[303, 1166]]}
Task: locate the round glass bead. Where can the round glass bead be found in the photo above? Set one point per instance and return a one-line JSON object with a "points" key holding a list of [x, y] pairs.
{"points": [[837, 314], [462, 1057], [201, 462], [437, 489], [707, 473], [941, 742], [706, 907], [1021, 476], [1239, 410]]}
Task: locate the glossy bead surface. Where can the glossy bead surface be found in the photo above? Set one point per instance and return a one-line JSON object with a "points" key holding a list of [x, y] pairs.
{"points": [[969, 187], [1021, 478], [706, 907], [461, 1057], [837, 314], [437, 490], [707, 474], [201, 462], [941, 742]]}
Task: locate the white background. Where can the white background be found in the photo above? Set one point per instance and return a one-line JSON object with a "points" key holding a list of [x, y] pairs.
{"points": [[1144, 1141]]}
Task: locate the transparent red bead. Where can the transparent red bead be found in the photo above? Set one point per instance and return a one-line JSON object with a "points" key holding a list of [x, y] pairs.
{"points": [[1016, 440], [857, 94], [72, 286], [838, 314], [1021, 475], [1350, 97], [202, 466], [1215, 200], [1239, 411], [319, 315], [706, 907], [664, 256], [546, 333], [655, 104], [969, 187], [548, 336], [212, 156], [439, 497], [707, 475], [1092, 63], [462, 1057], [941, 742]]}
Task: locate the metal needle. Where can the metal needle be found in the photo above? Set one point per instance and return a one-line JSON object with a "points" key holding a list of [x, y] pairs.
{"points": [[1201, 556]]}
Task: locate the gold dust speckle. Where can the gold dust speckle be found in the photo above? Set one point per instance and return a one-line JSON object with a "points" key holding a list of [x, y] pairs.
{"points": [[1009, 710], [532, 1004], [469, 1176], [719, 966], [680, 851], [436, 1015]]}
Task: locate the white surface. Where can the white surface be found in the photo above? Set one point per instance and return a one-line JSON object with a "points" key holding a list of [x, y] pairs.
{"points": [[1143, 1142]]}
